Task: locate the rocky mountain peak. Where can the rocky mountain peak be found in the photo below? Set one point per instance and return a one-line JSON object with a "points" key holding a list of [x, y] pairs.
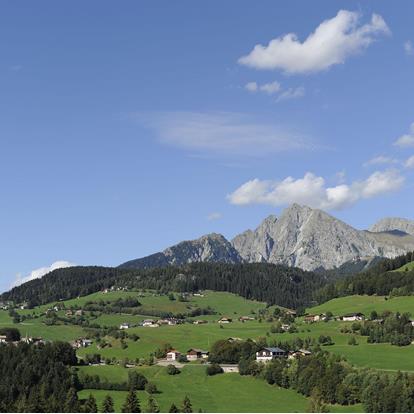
{"points": [[393, 223]]}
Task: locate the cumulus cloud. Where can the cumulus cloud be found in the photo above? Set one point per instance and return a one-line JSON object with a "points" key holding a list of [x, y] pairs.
{"points": [[410, 162], [291, 93], [406, 140], [222, 133], [313, 191], [408, 48], [381, 159], [332, 42], [214, 216], [38, 273]]}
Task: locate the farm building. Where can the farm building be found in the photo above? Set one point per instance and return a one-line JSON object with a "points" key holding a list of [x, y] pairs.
{"points": [[124, 325], [315, 318], [225, 320], [194, 354], [173, 355], [268, 354], [199, 322], [299, 353], [245, 318], [352, 317]]}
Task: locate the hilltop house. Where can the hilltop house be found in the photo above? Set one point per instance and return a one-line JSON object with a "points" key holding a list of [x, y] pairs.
{"points": [[352, 317], [194, 354], [173, 355], [124, 325], [268, 354], [148, 322], [225, 320]]}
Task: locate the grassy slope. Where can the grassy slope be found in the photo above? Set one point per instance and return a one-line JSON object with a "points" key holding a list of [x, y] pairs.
{"points": [[221, 393], [365, 304], [211, 394], [407, 267]]}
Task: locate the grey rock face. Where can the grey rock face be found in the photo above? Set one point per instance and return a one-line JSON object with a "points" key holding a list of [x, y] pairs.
{"points": [[303, 237], [209, 248], [311, 239], [394, 223]]}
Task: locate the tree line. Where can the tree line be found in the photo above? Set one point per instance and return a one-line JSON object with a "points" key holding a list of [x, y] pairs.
{"points": [[274, 284]]}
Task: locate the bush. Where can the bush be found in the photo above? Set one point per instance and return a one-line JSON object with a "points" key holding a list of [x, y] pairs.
{"points": [[214, 369], [172, 370]]}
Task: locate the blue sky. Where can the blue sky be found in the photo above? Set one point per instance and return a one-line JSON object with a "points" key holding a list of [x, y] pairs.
{"points": [[128, 126]]}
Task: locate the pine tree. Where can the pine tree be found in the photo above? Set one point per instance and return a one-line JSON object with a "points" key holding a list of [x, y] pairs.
{"points": [[131, 404], [108, 405], [152, 406], [173, 409], [90, 405], [187, 407], [72, 403]]}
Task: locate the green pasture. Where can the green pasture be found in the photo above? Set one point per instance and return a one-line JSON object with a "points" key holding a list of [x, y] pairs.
{"points": [[220, 393]]}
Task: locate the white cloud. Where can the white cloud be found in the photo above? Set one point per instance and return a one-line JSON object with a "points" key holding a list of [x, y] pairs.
{"points": [[214, 216], [408, 48], [222, 133], [271, 88], [312, 191], [406, 140], [38, 273], [381, 160], [410, 162], [291, 93], [251, 86], [332, 42]]}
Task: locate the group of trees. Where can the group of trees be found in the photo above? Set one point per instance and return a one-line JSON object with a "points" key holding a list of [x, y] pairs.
{"points": [[36, 378], [395, 328], [274, 284], [329, 379], [380, 279]]}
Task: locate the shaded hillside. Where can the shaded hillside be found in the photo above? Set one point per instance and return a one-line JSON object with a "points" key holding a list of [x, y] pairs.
{"points": [[389, 276], [274, 284]]}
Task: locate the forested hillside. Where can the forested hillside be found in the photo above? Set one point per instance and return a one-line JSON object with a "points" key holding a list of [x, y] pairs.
{"points": [[274, 284], [387, 277]]}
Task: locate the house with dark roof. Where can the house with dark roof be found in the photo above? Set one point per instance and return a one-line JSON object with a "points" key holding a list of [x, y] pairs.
{"points": [[269, 353]]}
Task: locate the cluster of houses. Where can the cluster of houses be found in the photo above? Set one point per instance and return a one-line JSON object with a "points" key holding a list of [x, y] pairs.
{"points": [[349, 317], [193, 354], [267, 354], [27, 340], [151, 323], [81, 343]]}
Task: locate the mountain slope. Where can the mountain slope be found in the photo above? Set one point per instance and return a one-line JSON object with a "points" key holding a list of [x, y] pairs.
{"points": [[210, 248], [394, 223], [312, 239], [302, 237]]}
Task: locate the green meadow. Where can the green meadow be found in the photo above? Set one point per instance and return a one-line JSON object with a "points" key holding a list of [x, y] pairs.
{"points": [[365, 304], [406, 268], [220, 393]]}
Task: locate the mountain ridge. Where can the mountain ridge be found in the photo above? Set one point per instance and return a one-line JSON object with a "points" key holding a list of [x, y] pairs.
{"points": [[302, 237]]}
